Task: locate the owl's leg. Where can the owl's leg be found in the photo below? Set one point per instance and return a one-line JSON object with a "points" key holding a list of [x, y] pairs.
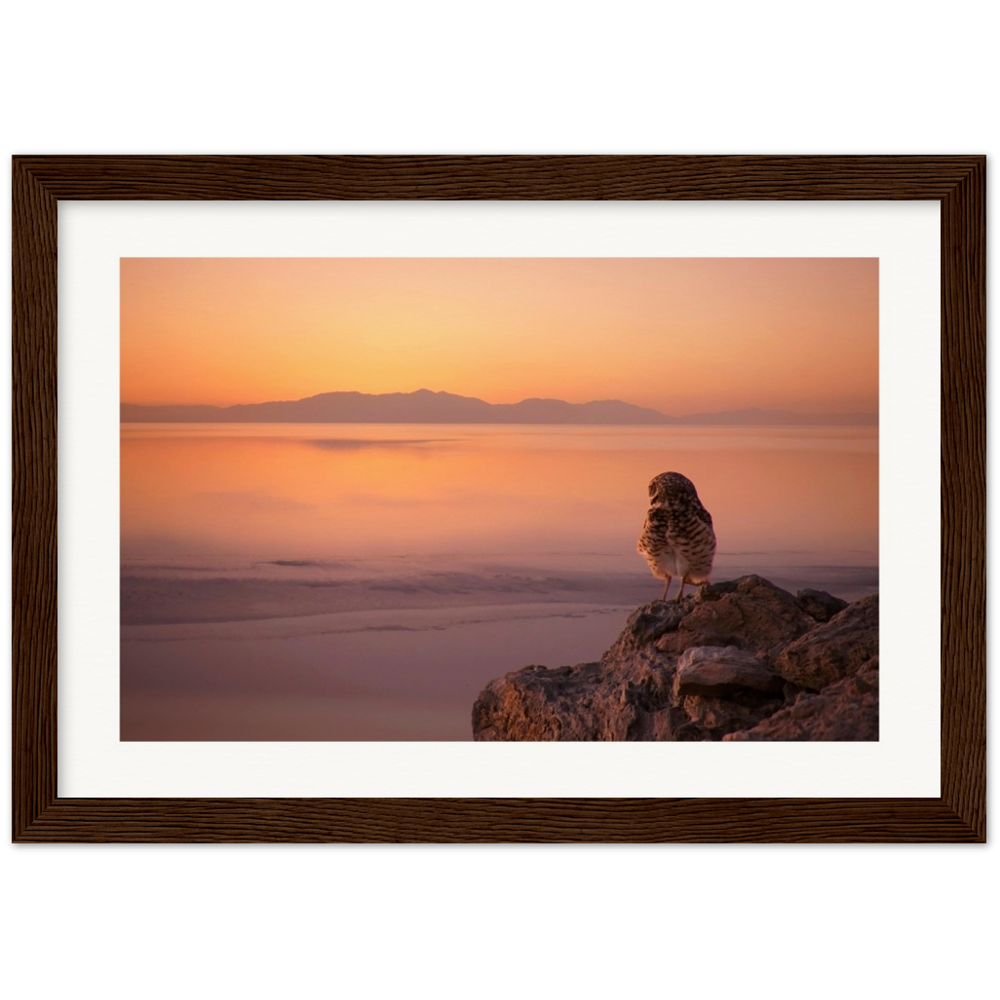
{"points": [[666, 588], [680, 593]]}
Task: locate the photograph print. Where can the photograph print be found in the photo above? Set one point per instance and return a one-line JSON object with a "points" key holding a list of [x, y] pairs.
{"points": [[453, 499]]}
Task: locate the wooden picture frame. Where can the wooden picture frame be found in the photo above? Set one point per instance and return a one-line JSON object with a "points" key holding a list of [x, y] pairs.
{"points": [[957, 182]]}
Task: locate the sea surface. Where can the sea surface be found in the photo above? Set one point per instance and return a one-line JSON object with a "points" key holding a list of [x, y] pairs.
{"points": [[365, 581]]}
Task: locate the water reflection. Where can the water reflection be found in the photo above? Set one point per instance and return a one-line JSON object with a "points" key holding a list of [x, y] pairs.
{"points": [[328, 491], [364, 581]]}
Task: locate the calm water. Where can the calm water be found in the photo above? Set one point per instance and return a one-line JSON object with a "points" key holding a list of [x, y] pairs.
{"points": [[318, 582]]}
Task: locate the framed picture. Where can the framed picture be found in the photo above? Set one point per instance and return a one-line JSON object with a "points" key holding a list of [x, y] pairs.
{"points": [[40, 813]]}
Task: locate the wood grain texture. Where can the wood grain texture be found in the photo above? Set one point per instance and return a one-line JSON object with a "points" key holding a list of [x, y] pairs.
{"points": [[550, 178], [957, 182], [499, 821], [34, 497]]}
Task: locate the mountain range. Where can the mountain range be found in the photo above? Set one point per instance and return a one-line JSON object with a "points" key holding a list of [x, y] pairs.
{"points": [[427, 407]]}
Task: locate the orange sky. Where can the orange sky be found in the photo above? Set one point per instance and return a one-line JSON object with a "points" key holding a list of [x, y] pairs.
{"points": [[678, 335]]}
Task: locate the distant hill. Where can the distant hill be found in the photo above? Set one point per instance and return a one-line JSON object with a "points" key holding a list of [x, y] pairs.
{"points": [[427, 407]]}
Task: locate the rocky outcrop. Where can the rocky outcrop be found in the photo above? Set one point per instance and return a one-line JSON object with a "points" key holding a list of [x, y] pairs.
{"points": [[839, 648], [741, 660]]}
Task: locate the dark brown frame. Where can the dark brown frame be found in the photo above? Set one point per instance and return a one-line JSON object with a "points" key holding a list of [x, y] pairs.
{"points": [[957, 182]]}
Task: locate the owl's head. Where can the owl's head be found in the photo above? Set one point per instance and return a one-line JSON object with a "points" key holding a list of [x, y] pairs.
{"points": [[670, 484]]}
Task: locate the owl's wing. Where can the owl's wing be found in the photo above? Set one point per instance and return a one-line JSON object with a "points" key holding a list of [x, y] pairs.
{"points": [[666, 524], [659, 522], [706, 517]]}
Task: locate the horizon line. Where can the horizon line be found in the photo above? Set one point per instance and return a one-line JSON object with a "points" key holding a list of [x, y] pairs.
{"points": [[870, 414]]}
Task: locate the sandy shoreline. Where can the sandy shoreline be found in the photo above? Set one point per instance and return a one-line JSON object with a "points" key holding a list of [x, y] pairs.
{"points": [[247, 658], [363, 675], [179, 594]]}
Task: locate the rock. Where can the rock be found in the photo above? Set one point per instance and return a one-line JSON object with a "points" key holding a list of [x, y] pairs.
{"points": [[716, 717], [836, 649], [819, 604], [581, 703], [534, 703], [717, 671], [750, 613], [726, 663], [846, 710]]}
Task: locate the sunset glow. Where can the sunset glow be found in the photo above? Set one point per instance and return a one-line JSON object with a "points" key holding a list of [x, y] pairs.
{"points": [[678, 335], [360, 570]]}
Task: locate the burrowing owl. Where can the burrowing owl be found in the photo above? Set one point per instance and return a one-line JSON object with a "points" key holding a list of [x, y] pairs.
{"points": [[677, 538]]}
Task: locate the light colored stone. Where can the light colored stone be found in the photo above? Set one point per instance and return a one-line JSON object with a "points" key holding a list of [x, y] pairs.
{"points": [[717, 671]]}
